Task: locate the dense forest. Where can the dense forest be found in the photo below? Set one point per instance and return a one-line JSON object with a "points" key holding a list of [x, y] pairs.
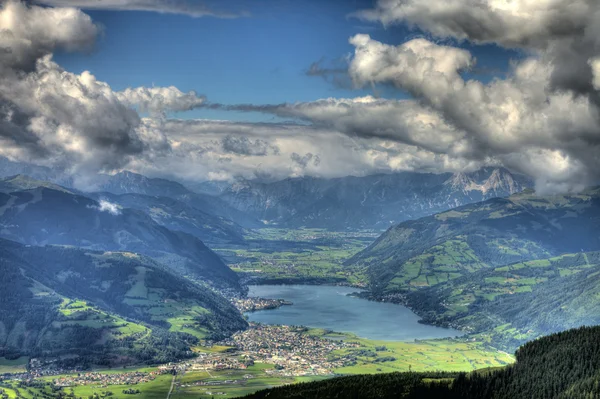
{"points": [[563, 365]]}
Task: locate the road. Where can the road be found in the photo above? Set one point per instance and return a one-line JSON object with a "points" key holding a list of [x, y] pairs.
{"points": [[172, 385]]}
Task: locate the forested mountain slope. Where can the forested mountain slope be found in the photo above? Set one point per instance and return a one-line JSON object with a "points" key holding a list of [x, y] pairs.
{"points": [[178, 215], [102, 305], [431, 250], [43, 216], [511, 304], [133, 183]]}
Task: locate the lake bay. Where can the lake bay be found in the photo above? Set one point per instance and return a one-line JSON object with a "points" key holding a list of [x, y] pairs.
{"points": [[330, 307]]}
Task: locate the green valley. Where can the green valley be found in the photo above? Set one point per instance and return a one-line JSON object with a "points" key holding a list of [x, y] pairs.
{"points": [[284, 256]]}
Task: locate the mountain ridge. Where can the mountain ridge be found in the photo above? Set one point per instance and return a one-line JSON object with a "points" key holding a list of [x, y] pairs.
{"points": [[42, 216], [369, 202]]}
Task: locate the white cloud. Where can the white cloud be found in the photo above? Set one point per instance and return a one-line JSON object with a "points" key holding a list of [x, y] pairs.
{"points": [[595, 64], [542, 119], [59, 118], [158, 100], [565, 33], [419, 64], [510, 23], [197, 153], [193, 8], [521, 114], [109, 207], [522, 121], [28, 33]]}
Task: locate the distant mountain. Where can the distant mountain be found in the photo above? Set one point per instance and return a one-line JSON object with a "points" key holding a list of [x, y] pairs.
{"points": [[128, 182], [215, 187], [178, 215], [166, 211], [431, 250], [369, 202], [133, 183], [104, 307], [24, 182], [375, 201], [12, 168], [42, 216]]}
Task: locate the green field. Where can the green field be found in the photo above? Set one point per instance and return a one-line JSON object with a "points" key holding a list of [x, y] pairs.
{"points": [[78, 312], [280, 255], [13, 365], [228, 383], [448, 354], [447, 261], [156, 389], [36, 389]]}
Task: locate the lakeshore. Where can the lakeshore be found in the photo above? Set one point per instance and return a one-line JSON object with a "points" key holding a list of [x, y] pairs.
{"points": [[334, 308]]}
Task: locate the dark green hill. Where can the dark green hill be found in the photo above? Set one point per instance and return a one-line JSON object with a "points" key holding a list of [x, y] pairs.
{"points": [[180, 216], [563, 365], [132, 183], [127, 302], [43, 216], [431, 250], [24, 182], [510, 304]]}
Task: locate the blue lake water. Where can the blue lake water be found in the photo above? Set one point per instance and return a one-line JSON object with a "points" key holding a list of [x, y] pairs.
{"points": [[330, 307]]}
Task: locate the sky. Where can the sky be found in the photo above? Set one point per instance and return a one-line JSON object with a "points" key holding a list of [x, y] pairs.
{"points": [[264, 57], [219, 90]]}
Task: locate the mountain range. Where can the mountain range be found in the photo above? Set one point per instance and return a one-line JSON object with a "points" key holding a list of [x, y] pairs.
{"points": [[369, 202]]}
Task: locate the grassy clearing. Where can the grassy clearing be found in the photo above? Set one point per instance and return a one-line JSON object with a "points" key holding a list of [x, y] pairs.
{"points": [[449, 260], [13, 365], [156, 389], [374, 356], [512, 279], [231, 383], [179, 314], [433, 355], [78, 312], [12, 389]]}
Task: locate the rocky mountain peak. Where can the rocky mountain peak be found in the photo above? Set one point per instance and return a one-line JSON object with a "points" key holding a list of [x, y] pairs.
{"points": [[501, 180], [460, 181]]}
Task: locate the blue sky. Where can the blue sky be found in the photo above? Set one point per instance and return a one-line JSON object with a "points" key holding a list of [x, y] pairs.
{"points": [[258, 59]]}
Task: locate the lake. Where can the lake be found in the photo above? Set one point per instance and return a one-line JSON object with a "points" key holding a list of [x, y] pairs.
{"points": [[330, 307]]}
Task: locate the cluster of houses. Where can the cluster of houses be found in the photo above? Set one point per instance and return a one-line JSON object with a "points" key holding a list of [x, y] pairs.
{"points": [[292, 351]]}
